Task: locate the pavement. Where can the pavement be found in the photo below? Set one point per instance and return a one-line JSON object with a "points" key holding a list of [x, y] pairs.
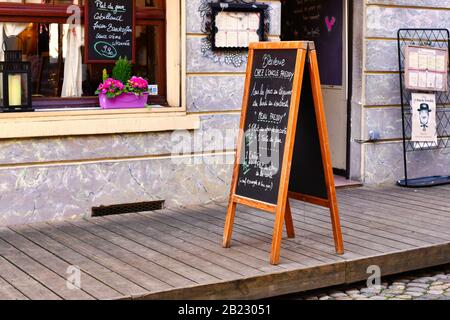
{"points": [[432, 284]]}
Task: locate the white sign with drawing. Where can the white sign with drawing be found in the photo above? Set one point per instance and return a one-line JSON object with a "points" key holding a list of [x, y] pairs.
{"points": [[424, 118]]}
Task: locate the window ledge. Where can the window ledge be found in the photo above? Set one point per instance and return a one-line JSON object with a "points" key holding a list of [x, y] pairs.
{"points": [[93, 122]]}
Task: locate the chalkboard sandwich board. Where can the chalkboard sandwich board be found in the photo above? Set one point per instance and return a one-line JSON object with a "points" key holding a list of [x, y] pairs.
{"points": [[283, 149], [110, 30]]}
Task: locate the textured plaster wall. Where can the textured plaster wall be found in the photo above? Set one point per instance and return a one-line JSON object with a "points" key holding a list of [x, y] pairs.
{"points": [[383, 162], [64, 177]]}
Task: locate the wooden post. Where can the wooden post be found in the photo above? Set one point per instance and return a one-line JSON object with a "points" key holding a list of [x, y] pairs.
{"points": [[290, 230], [228, 230], [229, 222], [283, 200], [326, 156]]}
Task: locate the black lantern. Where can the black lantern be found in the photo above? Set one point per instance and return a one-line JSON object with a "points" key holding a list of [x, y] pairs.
{"points": [[16, 82]]}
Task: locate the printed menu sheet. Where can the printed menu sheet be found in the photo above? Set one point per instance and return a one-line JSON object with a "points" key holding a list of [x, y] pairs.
{"points": [[426, 68], [236, 29]]}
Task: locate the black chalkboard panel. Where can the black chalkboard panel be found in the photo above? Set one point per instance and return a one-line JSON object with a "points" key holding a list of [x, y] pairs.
{"points": [[321, 21], [307, 171], [266, 123], [110, 28]]}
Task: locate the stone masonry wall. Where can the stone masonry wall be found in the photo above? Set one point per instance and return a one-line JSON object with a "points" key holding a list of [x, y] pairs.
{"points": [[46, 179]]}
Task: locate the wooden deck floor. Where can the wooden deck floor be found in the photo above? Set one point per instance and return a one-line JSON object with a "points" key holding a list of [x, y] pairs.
{"points": [[177, 253]]}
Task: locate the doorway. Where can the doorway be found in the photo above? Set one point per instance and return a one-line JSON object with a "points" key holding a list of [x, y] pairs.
{"points": [[326, 23]]}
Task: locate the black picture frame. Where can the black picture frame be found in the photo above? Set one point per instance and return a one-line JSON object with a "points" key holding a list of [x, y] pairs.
{"points": [[216, 8]]}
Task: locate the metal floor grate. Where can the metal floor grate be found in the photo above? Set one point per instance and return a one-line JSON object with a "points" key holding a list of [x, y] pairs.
{"points": [[127, 208]]}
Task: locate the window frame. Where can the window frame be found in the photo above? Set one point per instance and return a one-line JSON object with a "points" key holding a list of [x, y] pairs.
{"points": [[57, 13]]}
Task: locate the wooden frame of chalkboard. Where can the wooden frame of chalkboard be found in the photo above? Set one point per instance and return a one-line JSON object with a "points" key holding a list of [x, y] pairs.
{"points": [[306, 170], [216, 8], [88, 48]]}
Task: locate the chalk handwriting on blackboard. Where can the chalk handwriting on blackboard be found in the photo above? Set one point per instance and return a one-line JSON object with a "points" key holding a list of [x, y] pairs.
{"points": [[110, 29], [266, 124]]}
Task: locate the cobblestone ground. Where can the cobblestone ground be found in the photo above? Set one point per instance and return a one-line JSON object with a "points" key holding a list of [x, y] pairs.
{"points": [[424, 285]]}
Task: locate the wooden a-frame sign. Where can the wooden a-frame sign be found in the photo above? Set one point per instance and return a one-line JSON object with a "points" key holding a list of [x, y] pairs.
{"points": [[283, 118]]}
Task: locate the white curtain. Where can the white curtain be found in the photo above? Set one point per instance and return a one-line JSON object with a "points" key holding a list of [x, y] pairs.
{"points": [[9, 29], [72, 84]]}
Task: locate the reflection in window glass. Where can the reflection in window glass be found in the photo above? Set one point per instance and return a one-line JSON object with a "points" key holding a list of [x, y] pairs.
{"points": [[47, 47]]}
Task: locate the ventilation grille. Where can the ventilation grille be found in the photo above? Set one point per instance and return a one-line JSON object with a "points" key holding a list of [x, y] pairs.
{"points": [[127, 208]]}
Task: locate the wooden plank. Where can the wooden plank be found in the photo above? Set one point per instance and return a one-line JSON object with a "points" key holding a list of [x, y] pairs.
{"points": [[198, 272], [399, 262], [229, 220], [46, 277], [287, 158], [146, 270], [310, 240], [137, 281], [433, 195], [421, 216], [421, 230], [24, 283], [256, 204], [381, 221], [312, 237], [214, 261], [359, 226], [257, 287], [290, 249], [421, 198], [423, 220], [8, 292], [53, 281], [387, 201], [188, 248], [120, 287], [355, 246], [165, 273], [243, 247], [352, 235], [91, 286]]}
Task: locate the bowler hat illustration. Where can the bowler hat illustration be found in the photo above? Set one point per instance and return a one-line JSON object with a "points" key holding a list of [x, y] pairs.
{"points": [[424, 107]]}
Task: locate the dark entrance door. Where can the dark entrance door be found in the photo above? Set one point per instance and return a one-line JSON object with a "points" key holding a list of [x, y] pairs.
{"points": [[325, 23]]}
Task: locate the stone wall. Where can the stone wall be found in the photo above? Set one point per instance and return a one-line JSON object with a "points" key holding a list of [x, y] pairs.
{"points": [[64, 177], [383, 161]]}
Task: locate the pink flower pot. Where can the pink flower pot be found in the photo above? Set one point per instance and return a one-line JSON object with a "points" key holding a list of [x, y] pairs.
{"points": [[124, 101]]}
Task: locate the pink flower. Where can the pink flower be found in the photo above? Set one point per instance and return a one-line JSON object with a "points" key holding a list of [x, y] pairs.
{"points": [[138, 83]]}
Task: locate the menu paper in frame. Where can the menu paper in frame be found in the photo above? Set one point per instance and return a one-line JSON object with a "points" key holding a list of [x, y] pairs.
{"points": [[426, 68]]}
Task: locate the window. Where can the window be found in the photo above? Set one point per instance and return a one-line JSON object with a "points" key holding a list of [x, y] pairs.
{"points": [[42, 34]]}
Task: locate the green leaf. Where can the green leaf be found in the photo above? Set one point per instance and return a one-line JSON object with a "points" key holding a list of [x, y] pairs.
{"points": [[122, 70]]}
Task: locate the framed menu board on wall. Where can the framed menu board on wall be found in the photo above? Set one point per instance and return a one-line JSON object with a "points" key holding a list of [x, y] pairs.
{"points": [[110, 30], [426, 68], [236, 25]]}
